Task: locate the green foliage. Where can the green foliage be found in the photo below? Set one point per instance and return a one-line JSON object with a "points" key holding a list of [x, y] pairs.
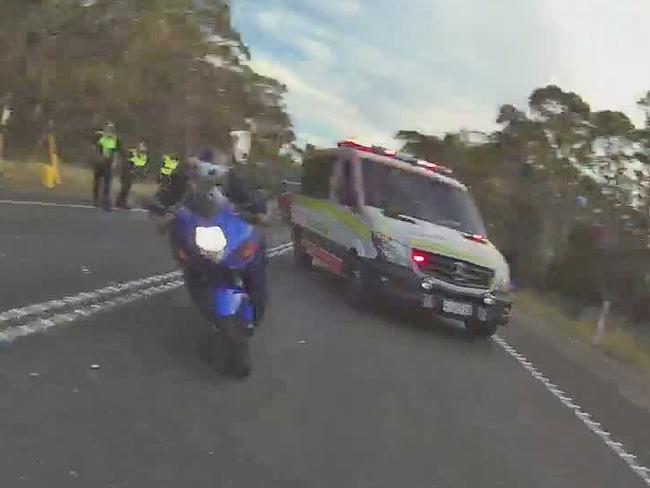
{"points": [[168, 72], [551, 101], [644, 104], [530, 182], [609, 123]]}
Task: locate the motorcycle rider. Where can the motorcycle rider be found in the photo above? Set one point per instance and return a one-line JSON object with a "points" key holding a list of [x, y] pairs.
{"points": [[239, 191], [235, 187]]}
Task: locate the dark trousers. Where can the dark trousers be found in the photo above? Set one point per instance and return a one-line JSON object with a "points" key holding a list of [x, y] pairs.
{"points": [[255, 279], [102, 178], [126, 181]]}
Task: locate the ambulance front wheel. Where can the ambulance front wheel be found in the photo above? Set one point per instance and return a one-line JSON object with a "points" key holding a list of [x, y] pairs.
{"points": [[302, 259], [358, 289]]}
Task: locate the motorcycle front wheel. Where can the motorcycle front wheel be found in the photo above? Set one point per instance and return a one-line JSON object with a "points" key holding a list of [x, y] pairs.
{"points": [[236, 350]]}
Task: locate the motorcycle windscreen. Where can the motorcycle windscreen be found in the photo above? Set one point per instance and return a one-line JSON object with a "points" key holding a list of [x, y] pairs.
{"points": [[236, 229]]}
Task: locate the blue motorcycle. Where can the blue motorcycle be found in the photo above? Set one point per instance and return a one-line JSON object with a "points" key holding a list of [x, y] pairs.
{"points": [[221, 255]]}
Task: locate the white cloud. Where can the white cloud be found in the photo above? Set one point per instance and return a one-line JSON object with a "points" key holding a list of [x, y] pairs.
{"points": [[317, 51], [606, 51], [334, 9], [369, 68], [342, 118], [285, 24], [296, 85]]}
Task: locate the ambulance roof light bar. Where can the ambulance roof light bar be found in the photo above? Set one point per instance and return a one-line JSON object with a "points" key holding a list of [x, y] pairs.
{"points": [[407, 158], [434, 167], [351, 143]]}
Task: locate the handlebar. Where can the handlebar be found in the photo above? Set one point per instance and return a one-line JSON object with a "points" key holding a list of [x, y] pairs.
{"points": [[158, 209]]}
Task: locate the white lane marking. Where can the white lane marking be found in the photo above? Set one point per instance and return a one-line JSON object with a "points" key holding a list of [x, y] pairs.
{"points": [[580, 413], [83, 297], [279, 250], [46, 204], [63, 205], [114, 297], [42, 324]]}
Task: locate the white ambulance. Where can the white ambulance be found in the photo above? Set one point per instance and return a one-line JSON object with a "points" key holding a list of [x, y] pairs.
{"points": [[401, 227]]}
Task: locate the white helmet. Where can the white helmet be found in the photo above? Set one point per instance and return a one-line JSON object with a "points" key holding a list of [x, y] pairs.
{"points": [[241, 145]]}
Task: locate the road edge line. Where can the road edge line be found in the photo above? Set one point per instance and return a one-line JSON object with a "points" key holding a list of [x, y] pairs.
{"points": [[594, 426]]}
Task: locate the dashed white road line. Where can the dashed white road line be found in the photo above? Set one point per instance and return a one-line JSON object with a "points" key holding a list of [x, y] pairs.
{"points": [[42, 324], [630, 459], [276, 251], [84, 297], [113, 296]]}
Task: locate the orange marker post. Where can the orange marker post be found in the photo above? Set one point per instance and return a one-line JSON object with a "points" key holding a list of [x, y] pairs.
{"points": [[51, 173]]}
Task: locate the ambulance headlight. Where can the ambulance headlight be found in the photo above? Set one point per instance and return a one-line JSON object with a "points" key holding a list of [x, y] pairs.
{"points": [[390, 249], [502, 283]]}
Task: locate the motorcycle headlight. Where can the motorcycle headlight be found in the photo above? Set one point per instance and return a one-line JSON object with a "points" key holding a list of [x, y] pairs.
{"points": [[390, 249], [211, 241]]}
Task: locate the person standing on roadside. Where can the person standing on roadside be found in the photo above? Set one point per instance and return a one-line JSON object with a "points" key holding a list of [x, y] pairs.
{"points": [[108, 146], [133, 167], [168, 169]]}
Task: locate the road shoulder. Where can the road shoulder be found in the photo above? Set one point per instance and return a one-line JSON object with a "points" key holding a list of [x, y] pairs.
{"points": [[614, 394], [633, 384]]}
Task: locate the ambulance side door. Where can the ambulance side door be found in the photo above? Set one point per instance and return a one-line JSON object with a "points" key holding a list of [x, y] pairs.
{"points": [[351, 231], [311, 211]]}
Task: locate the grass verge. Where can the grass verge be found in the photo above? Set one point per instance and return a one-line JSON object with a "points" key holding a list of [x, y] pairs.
{"points": [[618, 343], [26, 177]]}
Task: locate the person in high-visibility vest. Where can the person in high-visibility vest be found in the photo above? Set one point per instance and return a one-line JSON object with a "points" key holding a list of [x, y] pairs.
{"points": [[168, 168], [108, 146], [174, 180], [132, 167], [139, 159]]}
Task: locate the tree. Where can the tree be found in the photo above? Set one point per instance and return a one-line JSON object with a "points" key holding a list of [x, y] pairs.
{"points": [[551, 101], [509, 114], [610, 123], [614, 132], [172, 72], [542, 181], [644, 104], [427, 147]]}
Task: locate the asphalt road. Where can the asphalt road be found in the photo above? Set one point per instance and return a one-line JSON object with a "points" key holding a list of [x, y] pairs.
{"points": [[338, 398]]}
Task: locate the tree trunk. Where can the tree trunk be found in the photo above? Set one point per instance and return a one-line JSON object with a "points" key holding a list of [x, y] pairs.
{"points": [[602, 321]]}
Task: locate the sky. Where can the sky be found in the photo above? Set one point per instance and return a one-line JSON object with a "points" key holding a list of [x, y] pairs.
{"points": [[368, 68]]}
